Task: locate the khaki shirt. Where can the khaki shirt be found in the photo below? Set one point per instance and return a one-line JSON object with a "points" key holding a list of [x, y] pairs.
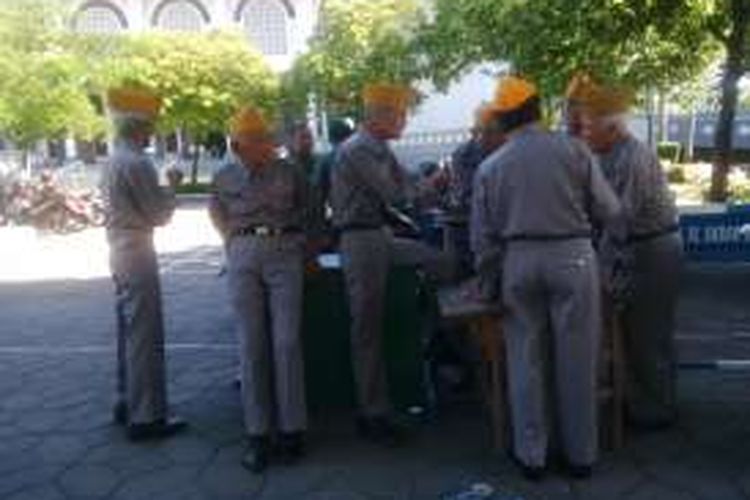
{"points": [[365, 178], [634, 172], [538, 185], [132, 195], [274, 197]]}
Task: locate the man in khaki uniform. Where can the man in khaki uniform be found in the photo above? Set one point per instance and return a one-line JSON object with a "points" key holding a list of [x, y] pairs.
{"points": [[652, 255], [366, 180], [486, 138], [135, 205], [258, 205], [535, 201]]}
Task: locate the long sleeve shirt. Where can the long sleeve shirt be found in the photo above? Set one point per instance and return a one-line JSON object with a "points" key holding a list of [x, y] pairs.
{"points": [[466, 160], [538, 185], [365, 179], [133, 198], [636, 176]]}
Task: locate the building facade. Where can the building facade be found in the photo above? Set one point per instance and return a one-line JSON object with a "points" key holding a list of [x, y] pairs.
{"points": [[279, 29]]}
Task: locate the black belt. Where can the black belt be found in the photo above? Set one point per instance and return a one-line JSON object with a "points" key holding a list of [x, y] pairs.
{"points": [[268, 231], [548, 237], [637, 238], [359, 227]]}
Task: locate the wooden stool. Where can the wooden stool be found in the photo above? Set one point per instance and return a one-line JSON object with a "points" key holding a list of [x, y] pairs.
{"points": [[485, 326]]}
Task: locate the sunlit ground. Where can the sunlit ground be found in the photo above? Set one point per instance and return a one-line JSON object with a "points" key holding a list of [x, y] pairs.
{"points": [[26, 255]]}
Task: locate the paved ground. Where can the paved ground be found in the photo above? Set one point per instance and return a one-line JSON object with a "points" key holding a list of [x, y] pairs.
{"points": [[56, 376]]}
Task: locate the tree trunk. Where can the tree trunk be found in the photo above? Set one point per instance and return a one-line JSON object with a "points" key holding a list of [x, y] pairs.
{"points": [[733, 71], [194, 164], [663, 118], [690, 147], [26, 160], [650, 129]]}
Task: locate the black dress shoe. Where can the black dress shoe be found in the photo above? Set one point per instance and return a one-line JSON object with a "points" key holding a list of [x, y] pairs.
{"points": [[381, 430], [156, 430], [291, 446], [578, 471], [255, 458], [533, 473], [120, 413], [654, 425]]}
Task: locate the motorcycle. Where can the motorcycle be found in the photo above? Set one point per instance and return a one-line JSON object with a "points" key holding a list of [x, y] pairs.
{"points": [[47, 206]]}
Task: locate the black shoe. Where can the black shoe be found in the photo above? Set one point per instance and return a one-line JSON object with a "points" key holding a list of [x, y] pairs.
{"points": [[120, 414], [291, 446], [381, 430], [255, 458], [533, 473], [156, 430], [578, 471], [649, 426]]}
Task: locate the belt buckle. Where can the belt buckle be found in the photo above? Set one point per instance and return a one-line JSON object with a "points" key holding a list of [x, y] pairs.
{"points": [[262, 231]]}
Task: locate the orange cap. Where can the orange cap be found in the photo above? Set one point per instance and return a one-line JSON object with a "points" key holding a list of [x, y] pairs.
{"points": [[580, 87], [391, 95], [609, 100], [135, 101], [511, 92], [248, 120]]}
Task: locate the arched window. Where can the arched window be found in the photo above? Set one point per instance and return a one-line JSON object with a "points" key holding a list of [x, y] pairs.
{"points": [[266, 23], [100, 18], [180, 15]]}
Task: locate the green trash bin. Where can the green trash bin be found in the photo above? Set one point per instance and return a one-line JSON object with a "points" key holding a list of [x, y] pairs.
{"points": [[328, 368]]}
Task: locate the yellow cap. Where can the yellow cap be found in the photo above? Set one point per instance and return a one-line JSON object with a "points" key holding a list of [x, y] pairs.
{"points": [[135, 101], [609, 100], [391, 95], [248, 120], [580, 87], [511, 92]]}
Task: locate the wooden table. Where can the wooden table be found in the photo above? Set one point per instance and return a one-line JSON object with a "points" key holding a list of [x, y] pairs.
{"points": [[458, 304]]}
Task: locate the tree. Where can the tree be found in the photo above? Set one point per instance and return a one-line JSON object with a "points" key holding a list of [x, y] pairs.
{"points": [[203, 79], [695, 95], [41, 92], [644, 43], [358, 41], [729, 21]]}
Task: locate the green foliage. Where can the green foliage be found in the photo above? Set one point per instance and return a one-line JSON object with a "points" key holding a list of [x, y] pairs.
{"points": [[358, 41], [669, 151], [54, 80], [196, 188], [203, 78], [657, 42], [41, 92]]}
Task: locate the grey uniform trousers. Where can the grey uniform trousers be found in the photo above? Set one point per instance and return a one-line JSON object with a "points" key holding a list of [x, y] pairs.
{"points": [[266, 277], [649, 329], [366, 257], [551, 293], [141, 378]]}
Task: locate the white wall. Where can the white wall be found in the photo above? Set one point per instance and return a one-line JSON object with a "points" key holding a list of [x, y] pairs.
{"points": [[455, 108]]}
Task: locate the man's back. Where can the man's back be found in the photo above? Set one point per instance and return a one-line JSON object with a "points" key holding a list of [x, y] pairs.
{"points": [[537, 185]]}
